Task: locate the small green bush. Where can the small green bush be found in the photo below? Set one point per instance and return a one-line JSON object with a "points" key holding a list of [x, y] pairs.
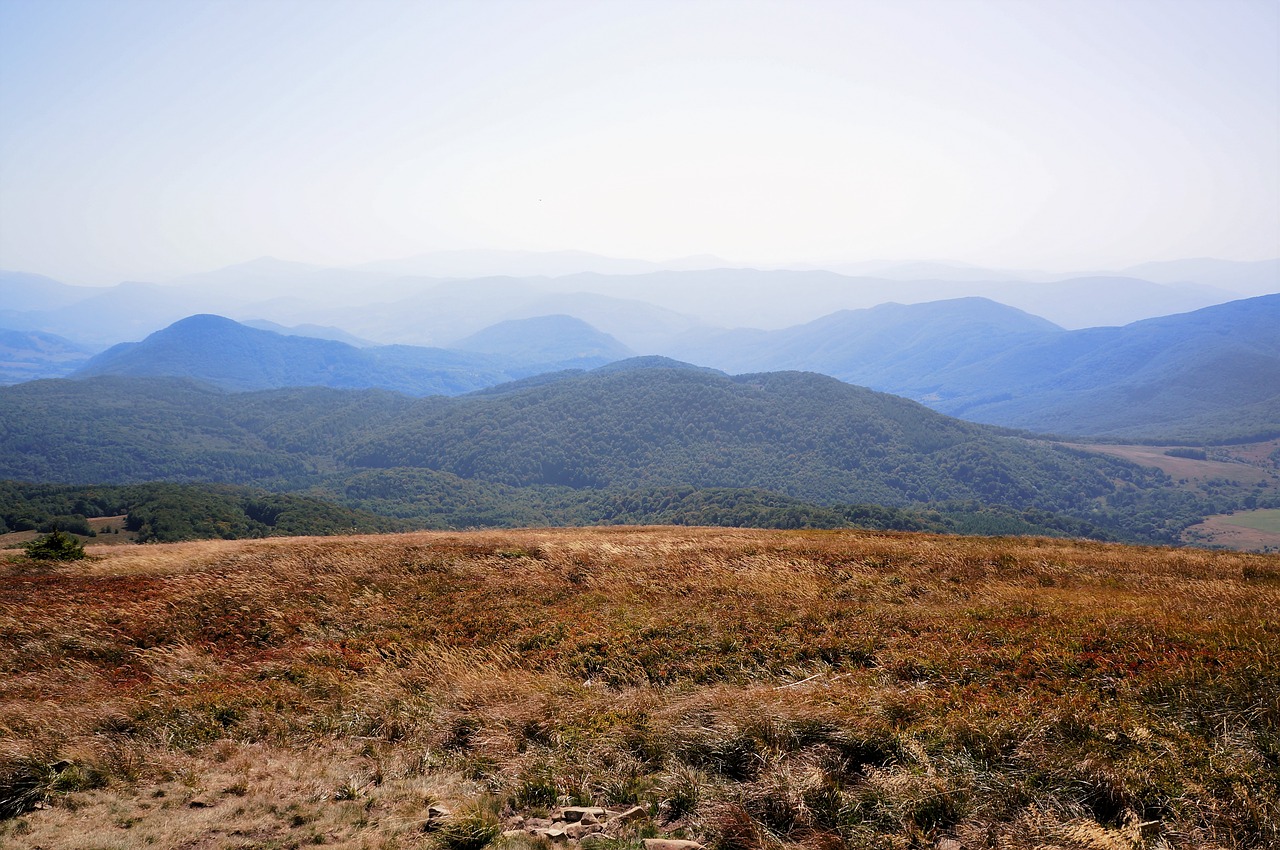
{"points": [[56, 546]]}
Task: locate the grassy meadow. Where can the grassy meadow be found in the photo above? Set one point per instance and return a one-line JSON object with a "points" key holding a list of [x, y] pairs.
{"points": [[749, 689], [1264, 520]]}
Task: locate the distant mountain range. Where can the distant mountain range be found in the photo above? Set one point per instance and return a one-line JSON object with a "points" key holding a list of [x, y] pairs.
{"points": [[1212, 375], [1209, 374], [970, 342], [232, 356], [438, 299]]}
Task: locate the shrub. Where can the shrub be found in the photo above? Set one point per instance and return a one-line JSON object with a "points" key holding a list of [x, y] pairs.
{"points": [[471, 829], [56, 546], [23, 785]]}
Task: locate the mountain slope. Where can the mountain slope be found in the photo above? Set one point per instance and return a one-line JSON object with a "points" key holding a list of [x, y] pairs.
{"points": [[800, 434], [22, 291], [626, 428], [1106, 300], [1216, 370], [313, 331], [780, 298]]}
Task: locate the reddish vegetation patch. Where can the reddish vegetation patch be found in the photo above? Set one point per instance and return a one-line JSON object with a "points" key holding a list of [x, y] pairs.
{"points": [[747, 688]]}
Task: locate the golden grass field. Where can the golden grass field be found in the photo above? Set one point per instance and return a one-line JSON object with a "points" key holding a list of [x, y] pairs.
{"points": [[751, 689]]}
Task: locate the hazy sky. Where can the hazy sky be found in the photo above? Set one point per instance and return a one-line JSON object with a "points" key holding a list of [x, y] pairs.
{"points": [[146, 139]]}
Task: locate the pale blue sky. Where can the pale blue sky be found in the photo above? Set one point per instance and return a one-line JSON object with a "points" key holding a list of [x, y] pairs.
{"points": [[147, 139]]}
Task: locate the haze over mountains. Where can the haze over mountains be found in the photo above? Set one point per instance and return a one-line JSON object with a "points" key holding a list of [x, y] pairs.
{"points": [[1208, 375], [1006, 351], [1215, 370], [713, 394], [642, 308]]}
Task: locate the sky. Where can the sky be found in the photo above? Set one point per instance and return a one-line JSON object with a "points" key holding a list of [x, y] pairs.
{"points": [[145, 139]]}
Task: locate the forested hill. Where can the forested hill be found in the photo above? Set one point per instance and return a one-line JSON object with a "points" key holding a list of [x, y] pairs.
{"points": [[797, 434]]}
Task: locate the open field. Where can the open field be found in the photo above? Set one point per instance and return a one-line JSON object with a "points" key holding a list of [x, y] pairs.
{"points": [[1264, 520], [749, 689], [1247, 464], [1254, 531], [110, 532]]}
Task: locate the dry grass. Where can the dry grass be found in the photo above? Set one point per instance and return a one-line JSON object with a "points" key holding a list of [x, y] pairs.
{"points": [[752, 689]]}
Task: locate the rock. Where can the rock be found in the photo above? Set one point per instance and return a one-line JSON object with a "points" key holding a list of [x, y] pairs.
{"points": [[949, 844], [552, 834], [577, 830], [632, 814], [573, 814], [670, 844], [590, 818]]}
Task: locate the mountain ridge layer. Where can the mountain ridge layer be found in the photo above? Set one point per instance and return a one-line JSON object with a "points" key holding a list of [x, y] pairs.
{"points": [[628, 427], [236, 357], [1211, 374]]}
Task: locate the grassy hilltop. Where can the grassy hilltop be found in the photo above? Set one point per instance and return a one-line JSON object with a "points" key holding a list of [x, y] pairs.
{"points": [[749, 689]]}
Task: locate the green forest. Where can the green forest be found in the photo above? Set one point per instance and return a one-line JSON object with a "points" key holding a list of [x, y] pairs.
{"points": [[649, 441], [165, 513]]}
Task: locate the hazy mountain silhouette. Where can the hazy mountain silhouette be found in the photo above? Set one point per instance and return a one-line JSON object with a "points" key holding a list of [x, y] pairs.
{"points": [[232, 356], [1259, 277], [1213, 372], [561, 340]]}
